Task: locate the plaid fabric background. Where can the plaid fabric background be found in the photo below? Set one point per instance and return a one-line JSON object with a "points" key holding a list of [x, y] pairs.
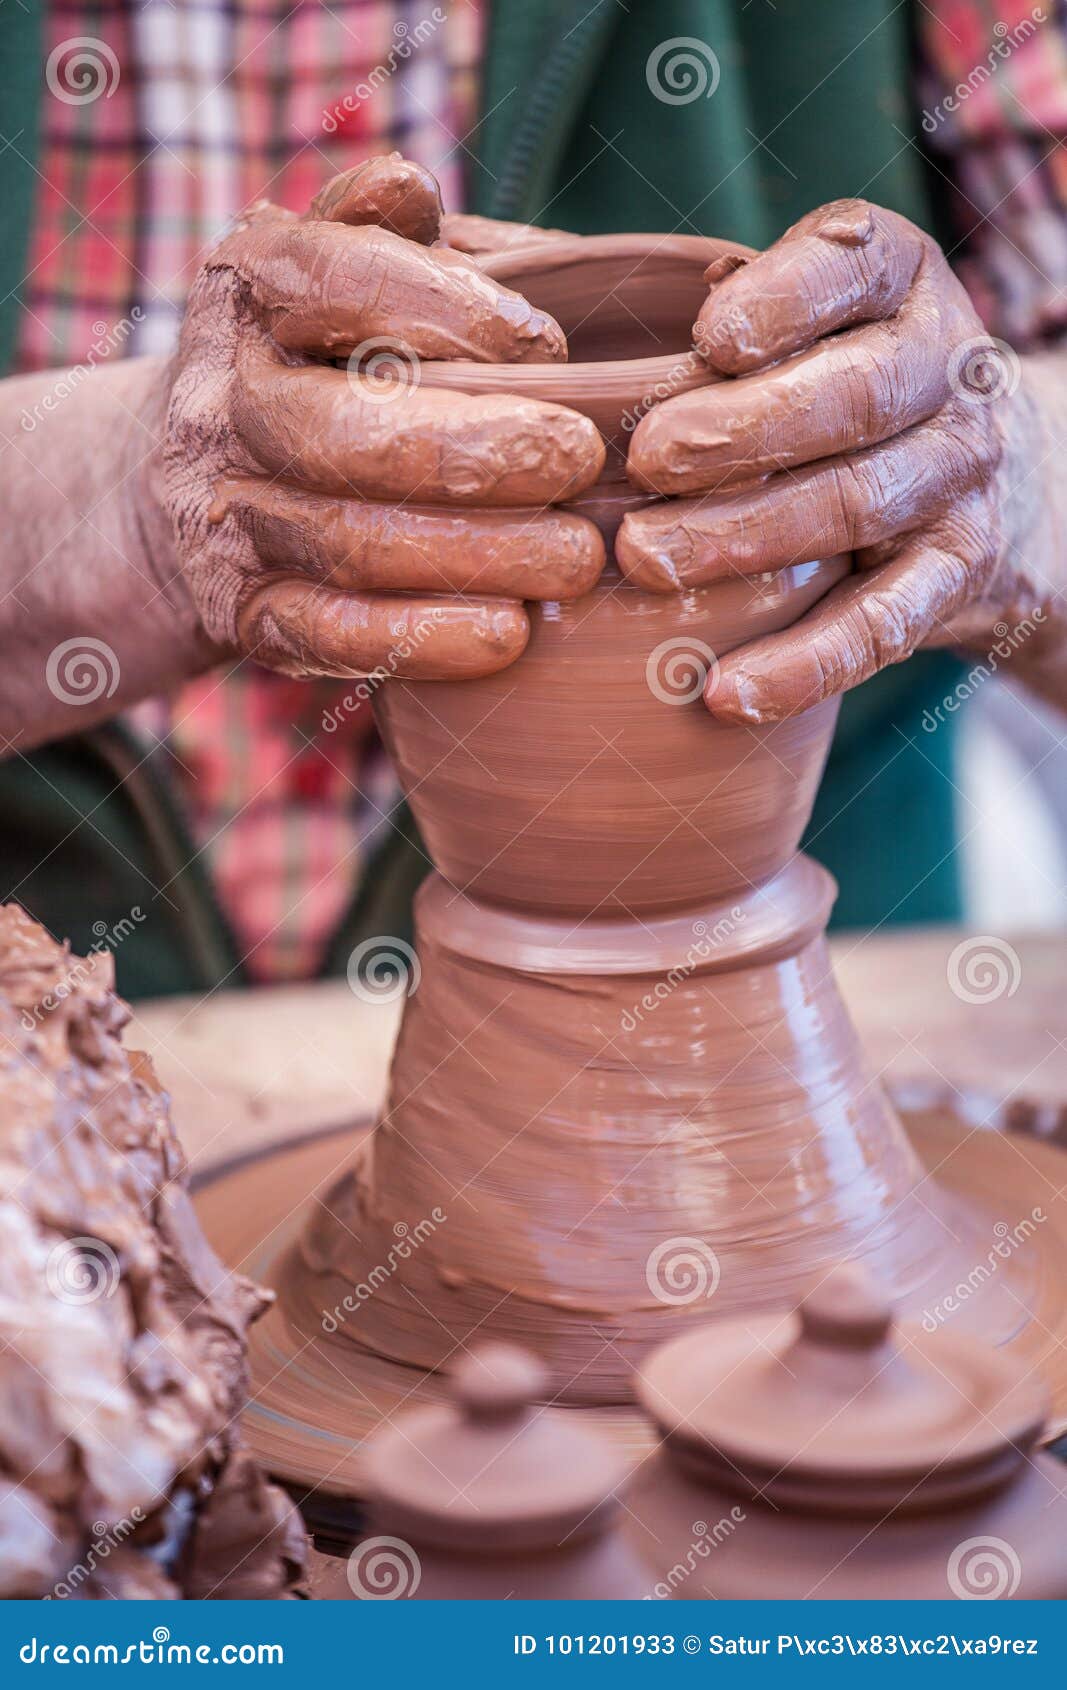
{"points": [[993, 97], [213, 103]]}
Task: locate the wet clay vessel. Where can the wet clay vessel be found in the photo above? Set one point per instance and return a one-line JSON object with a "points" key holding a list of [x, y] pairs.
{"points": [[626, 1084], [886, 1449]]}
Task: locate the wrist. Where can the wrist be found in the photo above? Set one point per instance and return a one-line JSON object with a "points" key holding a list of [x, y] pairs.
{"points": [[1021, 619], [149, 541]]}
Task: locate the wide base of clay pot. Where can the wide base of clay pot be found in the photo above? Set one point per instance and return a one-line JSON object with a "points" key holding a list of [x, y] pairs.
{"points": [[315, 1399]]}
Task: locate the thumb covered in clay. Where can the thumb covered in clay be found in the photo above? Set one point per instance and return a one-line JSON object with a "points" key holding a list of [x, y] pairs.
{"points": [[391, 192], [862, 410]]}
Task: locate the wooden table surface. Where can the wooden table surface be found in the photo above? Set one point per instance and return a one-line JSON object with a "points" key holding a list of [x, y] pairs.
{"points": [[246, 1069]]}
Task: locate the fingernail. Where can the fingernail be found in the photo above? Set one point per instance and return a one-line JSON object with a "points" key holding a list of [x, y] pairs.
{"points": [[737, 696]]}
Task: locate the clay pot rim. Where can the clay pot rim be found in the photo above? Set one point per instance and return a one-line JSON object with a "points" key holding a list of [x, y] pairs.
{"points": [[624, 378]]}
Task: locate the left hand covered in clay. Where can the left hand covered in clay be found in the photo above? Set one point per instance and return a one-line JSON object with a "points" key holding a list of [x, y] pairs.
{"points": [[862, 413]]}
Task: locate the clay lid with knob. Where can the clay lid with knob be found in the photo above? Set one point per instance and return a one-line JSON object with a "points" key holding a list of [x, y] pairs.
{"points": [[490, 1469], [838, 1408]]}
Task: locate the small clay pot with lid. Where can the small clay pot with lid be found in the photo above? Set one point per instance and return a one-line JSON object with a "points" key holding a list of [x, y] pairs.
{"points": [[493, 1497], [834, 1453]]}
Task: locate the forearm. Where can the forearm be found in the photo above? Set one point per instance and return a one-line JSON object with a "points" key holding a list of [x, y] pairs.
{"points": [[1023, 622], [94, 613]]}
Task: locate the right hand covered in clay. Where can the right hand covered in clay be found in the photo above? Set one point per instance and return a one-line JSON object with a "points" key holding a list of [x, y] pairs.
{"points": [[338, 521], [863, 409]]}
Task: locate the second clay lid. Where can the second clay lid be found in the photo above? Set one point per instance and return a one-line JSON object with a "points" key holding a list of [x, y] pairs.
{"points": [[836, 1408]]}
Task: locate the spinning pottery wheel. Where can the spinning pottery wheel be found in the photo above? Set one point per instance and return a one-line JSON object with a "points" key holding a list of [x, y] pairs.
{"points": [[626, 1095]]}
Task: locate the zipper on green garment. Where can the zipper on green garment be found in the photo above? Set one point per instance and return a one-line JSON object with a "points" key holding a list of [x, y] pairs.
{"points": [[509, 192]]}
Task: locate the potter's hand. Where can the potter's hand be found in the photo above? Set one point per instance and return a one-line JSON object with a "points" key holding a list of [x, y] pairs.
{"points": [[342, 520], [864, 414]]}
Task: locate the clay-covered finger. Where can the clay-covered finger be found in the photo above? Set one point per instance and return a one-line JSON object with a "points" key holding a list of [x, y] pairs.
{"points": [[390, 191], [352, 544], [851, 391], [325, 288], [334, 433], [305, 631], [841, 505], [863, 624], [848, 262]]}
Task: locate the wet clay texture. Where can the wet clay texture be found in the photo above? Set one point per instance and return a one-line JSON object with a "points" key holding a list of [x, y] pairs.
{"points": [[625, 1084], [889, 1450], [122, 1336]]}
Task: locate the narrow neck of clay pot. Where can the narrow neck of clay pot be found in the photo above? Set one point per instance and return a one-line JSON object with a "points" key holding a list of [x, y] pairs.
{"points": [[627, 304]]}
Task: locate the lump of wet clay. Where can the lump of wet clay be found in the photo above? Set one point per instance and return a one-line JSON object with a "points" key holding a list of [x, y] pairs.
{"points": [[122, 1336]]}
